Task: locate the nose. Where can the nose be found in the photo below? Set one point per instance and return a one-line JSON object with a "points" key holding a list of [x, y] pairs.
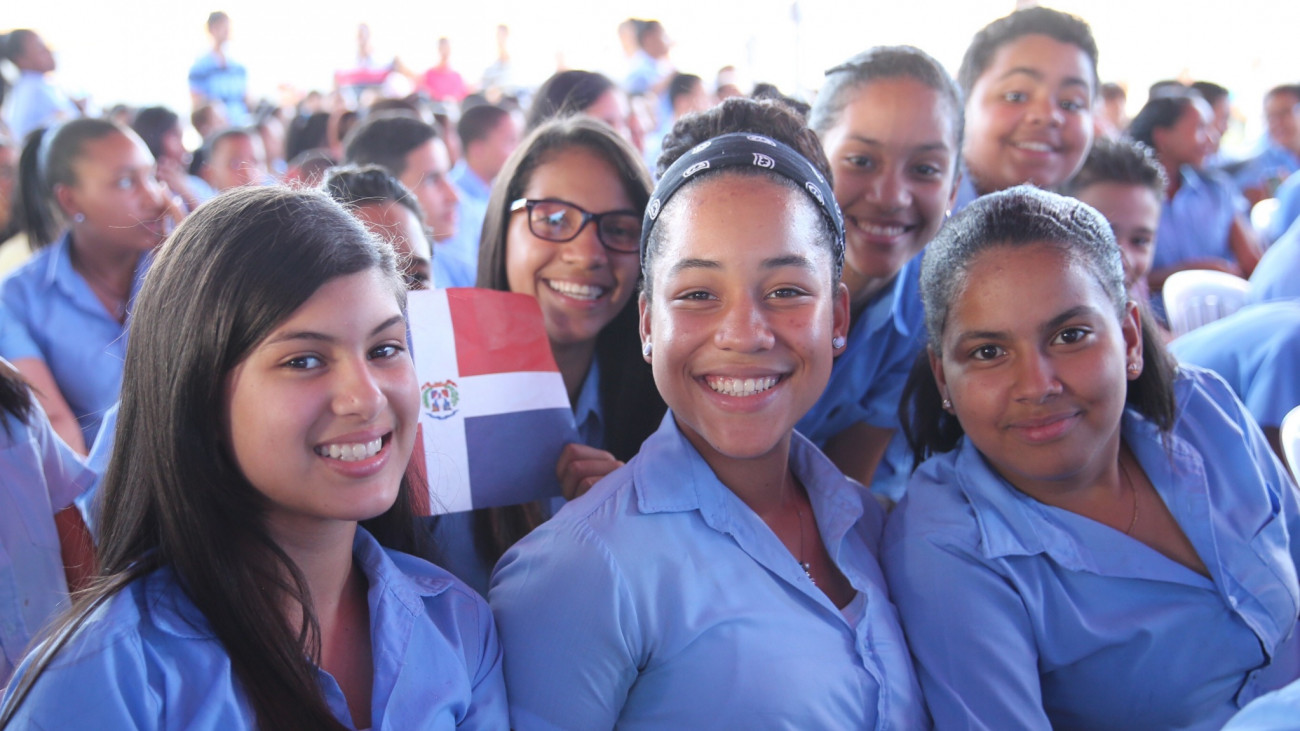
{"points": [[1043, 108], [585, 250], [449, 195], [744, 327], [1036, 379], [357, 392], [888, 190]]}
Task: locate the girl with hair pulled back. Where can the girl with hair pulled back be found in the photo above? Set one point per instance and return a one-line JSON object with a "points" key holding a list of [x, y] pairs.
{"points": [[726, 576], [255, 502], [890, 122], [1115, 531]]}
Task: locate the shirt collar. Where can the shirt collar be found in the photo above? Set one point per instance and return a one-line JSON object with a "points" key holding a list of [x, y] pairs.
{"points": [[469, 182], [586, 410]]}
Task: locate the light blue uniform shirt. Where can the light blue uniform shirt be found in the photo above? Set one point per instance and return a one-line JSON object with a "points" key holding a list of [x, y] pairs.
{"points": [[34, 102], [1273, 162], [39, 476], [1288, 208], [1257, 351], [147, 659], [1194, 224], [453, 533], [867, 379], [80, 341], [460, 252], [1277, 276], [660, 600], [966, 193], [1026, 616], [1276, 711]]}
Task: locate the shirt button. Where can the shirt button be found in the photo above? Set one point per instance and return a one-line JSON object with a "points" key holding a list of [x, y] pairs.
{"points": [[1232, 600]]}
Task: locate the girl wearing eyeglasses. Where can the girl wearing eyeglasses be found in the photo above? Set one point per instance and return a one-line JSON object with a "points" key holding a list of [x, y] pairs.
{"points": [[563, 225]]}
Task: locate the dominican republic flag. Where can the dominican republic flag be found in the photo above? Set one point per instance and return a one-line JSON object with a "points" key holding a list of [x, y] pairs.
{"points": [[494, 413]]}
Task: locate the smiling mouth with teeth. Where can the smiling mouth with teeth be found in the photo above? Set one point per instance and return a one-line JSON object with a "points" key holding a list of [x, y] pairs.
{"points": [[1035, 146], [741, 386], [575, 290], [351, 452]]}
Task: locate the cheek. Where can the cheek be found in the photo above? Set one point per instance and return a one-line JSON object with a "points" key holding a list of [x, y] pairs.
{"points": [[523, 260]]}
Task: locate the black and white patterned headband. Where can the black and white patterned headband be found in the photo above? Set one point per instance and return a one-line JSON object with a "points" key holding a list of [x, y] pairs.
{"points": [[744, 150]]}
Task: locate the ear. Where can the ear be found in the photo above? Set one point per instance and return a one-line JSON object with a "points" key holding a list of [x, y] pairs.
{"points": [[643, 320], [840, 313], [936, 368], [66, 197], [1131, 329], [956, 187]]}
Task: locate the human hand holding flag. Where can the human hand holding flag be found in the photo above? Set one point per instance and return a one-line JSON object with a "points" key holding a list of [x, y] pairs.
{"points": [[494, 413]]}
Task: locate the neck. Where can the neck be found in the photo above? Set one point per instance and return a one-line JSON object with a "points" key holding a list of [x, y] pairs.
{"points": [[862, 289], [1173, 173], [574, 361], [763, 483], [1098, 483], [112, 267], [478, 168], [323, 553]]}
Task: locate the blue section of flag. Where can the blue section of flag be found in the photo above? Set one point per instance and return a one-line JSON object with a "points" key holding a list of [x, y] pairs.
{"points": [[512, 456]]}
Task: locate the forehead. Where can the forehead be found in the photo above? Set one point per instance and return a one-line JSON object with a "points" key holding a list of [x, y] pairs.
{"points": [[740, 220], [113, 150], [1108, 196], [578, 175], [431, 155], [1012, 287], [902, 109], [1041, 56]]}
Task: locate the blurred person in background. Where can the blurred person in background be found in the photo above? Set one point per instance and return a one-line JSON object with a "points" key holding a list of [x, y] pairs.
{"points": [[33, 102], [215, 77]]}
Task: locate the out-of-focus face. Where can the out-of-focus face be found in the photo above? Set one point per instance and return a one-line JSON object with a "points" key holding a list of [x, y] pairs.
{"points": [[493, 151], [117, 195], [1189, 141], [894, 157], [220, 31], [321, 416], [1134, 215], [611, 109], [1034, 361], [742, 314], [36, 56], [1222, 116], [426, 177], [8, 180], [581, 285], [400, 227], [1029, 115], [173, 146], [236, 161], [1282, 110]]}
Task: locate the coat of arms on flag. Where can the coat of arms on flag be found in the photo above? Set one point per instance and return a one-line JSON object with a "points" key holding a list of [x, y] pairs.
{"points": [[494, 413]]}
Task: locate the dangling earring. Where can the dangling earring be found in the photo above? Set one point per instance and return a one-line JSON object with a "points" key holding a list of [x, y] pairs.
{"points": [[646, 348], [837, 342]]}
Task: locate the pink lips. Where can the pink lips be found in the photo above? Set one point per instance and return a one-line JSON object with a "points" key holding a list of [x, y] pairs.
{"points": [[1045, 429]]}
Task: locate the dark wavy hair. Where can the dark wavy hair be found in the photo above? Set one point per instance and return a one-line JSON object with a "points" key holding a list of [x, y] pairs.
{"points": [[1054, 24], [564, 94], [173, 495], [628, 396], [1021, 217]]}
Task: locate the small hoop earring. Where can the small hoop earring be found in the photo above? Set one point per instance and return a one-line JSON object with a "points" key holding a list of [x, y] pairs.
{"points": [[79, 218], [837, 342], [646, 348]]}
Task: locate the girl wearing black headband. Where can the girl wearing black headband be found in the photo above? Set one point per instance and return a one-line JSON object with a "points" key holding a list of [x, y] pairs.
{"points": [[726, 575]]}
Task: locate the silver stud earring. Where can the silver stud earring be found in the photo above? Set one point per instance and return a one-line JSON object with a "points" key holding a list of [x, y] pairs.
{"points": [[646, 348], [79, 218], [947, 405], [837, 342]]}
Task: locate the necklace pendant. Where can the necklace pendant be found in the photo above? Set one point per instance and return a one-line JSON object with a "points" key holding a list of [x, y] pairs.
{"points": [[807, 569]]}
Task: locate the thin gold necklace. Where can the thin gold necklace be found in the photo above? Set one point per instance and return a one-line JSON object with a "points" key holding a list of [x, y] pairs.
{"points": [[805, 565]]}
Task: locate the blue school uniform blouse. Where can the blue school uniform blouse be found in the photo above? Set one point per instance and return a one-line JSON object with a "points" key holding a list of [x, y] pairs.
{"points": [[660, 600], [80, 341], [1194, 224], [1277, 276], [147, 659], [867, 379], [1276, 711], [1026, 616], [1257, 351], [39, 476]]}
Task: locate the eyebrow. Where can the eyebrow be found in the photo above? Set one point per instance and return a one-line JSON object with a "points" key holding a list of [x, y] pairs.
{"points": [[1037, 75], [313, 335], [939, 146], [776, 262], [1048, 326]]}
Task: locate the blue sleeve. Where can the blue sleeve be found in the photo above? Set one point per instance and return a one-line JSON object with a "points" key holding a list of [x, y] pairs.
{"points": [[109, 684], [567, 624], [488, 708], [970, 634], [66, 475], [1275, 388], [15, 341]]}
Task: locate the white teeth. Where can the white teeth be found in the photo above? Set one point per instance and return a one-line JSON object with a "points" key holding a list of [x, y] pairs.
{"points": [[575, 290], [350, 452], [1034, 146], [741, 386], [878, 230]]}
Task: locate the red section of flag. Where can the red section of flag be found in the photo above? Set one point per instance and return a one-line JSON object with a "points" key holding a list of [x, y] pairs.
{"points": [[498, 332]]}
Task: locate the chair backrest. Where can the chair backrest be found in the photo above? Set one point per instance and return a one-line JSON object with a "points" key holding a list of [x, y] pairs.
{"points": [[1196, 297], [1290, 438], [1262, 214]]}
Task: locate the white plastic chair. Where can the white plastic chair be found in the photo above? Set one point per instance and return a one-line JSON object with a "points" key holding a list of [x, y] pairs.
{"points": [[1196, 297], [1262, 213], [1290, 438]]}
